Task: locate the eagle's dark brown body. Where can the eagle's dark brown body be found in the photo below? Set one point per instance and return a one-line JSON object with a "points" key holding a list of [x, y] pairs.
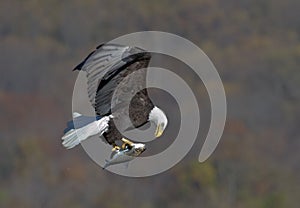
{"points": [[139, 111]]}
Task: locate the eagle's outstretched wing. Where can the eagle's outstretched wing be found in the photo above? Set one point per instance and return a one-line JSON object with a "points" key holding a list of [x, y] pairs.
{"points": [[106, 67]]}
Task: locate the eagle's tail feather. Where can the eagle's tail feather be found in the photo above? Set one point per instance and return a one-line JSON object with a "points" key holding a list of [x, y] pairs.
{"points": [[70, 139], [73, 136]]}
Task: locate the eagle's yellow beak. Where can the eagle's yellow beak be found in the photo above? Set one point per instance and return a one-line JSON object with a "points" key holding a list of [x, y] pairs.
{"points": [[159, 131]]}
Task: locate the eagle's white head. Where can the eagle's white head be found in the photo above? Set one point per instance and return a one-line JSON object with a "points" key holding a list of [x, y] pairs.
{"points": [[159, 118]]}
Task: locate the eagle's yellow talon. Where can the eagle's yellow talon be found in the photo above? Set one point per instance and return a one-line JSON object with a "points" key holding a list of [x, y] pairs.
{"points": [[116, 148], [126, 141], [124, 146]]}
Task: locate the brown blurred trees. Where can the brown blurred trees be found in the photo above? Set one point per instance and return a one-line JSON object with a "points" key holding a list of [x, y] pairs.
{"points": [[255, 47]]}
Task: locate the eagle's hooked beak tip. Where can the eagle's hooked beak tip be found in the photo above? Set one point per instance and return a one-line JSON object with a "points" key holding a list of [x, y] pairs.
{"points": [[159, 131]]}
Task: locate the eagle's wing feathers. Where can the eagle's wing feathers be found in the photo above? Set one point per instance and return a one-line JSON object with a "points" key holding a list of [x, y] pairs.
{"points": [[106, 67]]}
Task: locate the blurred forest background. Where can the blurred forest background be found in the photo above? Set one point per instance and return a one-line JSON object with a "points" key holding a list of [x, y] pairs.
{"points": [[255, 45]]}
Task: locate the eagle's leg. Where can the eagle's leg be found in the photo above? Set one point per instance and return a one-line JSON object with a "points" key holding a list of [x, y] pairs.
{"points": [[115, 147], [126, 143]]}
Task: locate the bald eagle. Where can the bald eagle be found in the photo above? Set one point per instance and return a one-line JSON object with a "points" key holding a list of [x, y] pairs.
{"points": [[107, 70]]}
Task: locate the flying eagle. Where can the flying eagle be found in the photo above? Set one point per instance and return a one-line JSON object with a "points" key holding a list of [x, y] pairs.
{"points": [[107, 70]]}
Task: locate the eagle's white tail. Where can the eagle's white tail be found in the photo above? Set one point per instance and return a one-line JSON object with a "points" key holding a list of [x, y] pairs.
{"points": [[70, 139], [74, 136]]}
